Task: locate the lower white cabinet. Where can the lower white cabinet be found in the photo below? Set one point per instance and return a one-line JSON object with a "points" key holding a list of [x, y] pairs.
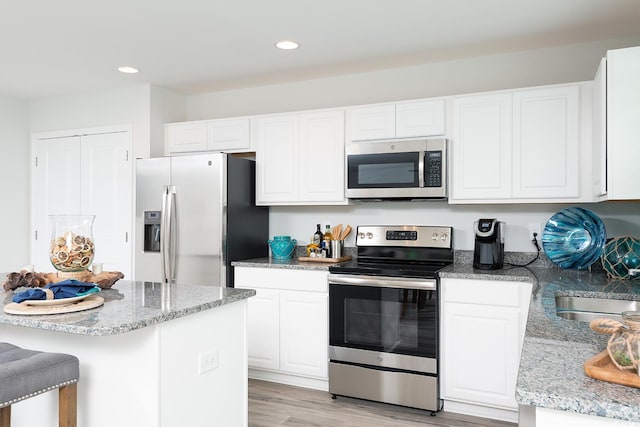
{"points": [[288, 325], [482, 330]]}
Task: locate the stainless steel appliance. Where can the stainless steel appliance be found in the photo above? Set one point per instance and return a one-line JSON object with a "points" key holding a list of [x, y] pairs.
{"points": [[384, 316], [488, 253], [196, 214], [399, 168]]}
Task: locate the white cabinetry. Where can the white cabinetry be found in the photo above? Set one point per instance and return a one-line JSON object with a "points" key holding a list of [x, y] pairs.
{"points": [[482, 330], [229, 135], [518, 146], [287, 325], [401, 120], [623, 123], [86, 173], [300, 158]]}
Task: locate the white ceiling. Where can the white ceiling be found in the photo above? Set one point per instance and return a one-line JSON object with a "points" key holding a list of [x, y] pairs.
{"points": [[53, 47]]}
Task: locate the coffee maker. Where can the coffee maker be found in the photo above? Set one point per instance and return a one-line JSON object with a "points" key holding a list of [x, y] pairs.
{"points": [[488, 253]]}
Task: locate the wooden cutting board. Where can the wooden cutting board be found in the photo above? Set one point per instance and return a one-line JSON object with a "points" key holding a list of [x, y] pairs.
{"points": [[602, 368], [320, 259], [91, 301]]}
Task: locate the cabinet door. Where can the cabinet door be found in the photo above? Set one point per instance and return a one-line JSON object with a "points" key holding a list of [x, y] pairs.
{"points": [[623, 125], [304, 333], [322, 157], [420, 118], [482, 351], [228, 135], [56, 190], [481, 147], [370, 123], [277, 157], [106, 187], [185, 137], [545, 133], [263, 333], [599, 130]]}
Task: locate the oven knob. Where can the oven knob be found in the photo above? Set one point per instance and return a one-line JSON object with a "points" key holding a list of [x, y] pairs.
{"points": [[444, 237], [380, 359], [435, 236], [361, 235], [369, 235]]}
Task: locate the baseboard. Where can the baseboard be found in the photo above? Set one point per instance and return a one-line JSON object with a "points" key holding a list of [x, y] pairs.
{"points": [[481, 411], [288, 379]]}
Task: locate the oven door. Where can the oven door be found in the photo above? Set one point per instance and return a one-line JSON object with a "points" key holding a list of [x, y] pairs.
{"points": [[383, 321]]}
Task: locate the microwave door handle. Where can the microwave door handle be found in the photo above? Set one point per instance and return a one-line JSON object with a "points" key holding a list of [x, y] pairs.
{"points": [[421, 165]]}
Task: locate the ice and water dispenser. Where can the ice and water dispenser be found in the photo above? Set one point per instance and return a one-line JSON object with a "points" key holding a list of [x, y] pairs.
{"points": [[152, 231]]}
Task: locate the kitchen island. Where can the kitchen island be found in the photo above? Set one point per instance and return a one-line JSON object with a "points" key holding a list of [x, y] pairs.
{"points": [[152, 355], [552, 387]]}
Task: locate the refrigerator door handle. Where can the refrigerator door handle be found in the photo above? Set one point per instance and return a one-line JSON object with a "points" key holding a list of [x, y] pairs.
{"points": [[168, 234]]}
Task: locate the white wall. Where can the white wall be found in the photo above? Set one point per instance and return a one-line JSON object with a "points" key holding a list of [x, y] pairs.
{"points": [[14, 174], [130, 106], [561, 64], [620, 218], [166, 107], [505, 71]]}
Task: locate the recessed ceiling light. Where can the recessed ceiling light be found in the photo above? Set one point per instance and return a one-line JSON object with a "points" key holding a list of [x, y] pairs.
{"points": [[128, 70], [287, 45]]}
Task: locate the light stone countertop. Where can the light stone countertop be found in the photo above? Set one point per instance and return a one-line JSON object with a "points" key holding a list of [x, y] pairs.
{"points": [[130, 305], [551, 373]]}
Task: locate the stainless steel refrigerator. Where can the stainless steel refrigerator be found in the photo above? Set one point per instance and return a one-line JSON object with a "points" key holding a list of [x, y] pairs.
{"points": [[196, 214]]}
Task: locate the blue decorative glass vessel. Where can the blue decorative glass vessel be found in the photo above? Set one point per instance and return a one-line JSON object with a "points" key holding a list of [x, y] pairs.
{"points": [[282, 247], [620, 255], [574, 238]]}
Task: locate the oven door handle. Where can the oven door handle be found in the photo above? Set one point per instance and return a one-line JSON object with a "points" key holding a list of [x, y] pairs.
{"points": [[383, 282]]}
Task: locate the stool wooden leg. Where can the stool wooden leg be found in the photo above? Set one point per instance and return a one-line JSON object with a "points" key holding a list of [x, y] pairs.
{"points": [[5, 416], [68, 406]]}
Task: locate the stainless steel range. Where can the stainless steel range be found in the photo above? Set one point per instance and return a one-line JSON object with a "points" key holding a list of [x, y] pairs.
{"points": [[383, 316]]}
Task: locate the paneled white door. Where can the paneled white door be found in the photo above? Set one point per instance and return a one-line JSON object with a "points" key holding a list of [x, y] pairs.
{"points": [[85, 174], [106, 192], [55, 191]]}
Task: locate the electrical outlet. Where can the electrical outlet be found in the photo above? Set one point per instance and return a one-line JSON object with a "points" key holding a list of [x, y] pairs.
{"points": [[534, 227], [207, 362]]}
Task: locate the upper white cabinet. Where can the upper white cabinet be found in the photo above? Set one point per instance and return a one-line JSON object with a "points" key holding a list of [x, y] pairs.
{"points": [[481, 147], [87, 174], [623, 123], [300, 158], [230, 135], [482, 329], [400, 120], [518, 146]]}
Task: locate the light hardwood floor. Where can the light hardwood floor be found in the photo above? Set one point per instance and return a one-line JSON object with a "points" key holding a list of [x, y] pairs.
{"points": [[272, 405]]}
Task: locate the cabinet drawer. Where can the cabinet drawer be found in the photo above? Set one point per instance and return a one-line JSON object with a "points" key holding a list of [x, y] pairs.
{"points": [[469, 291], [281, 278]]}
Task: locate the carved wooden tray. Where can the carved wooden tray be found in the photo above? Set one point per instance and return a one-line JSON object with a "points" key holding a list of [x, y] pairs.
{"points": [[602, 368]]}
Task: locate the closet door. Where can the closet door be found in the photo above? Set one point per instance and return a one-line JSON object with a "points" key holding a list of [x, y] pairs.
{"points": [[106, 188], [85, 174], [55, 191]]}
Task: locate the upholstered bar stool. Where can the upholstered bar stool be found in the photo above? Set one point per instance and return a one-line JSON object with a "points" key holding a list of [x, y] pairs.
{"points": [[27, 373]]}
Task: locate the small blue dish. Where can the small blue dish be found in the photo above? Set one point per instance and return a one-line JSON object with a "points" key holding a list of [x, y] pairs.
{"points": [[574, 238], [282, 247]]}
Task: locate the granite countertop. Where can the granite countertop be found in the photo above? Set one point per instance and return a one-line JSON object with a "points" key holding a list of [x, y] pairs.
{"points": [[551, 373], [130, 305], [292, 264]]}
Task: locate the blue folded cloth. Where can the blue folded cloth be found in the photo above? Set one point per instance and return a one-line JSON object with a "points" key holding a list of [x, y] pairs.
{"points": [[65, 289]]}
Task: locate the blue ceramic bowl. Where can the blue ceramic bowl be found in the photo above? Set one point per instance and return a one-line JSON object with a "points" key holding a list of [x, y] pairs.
{"points": [[621, 255], [574, 238], [282, 247]]}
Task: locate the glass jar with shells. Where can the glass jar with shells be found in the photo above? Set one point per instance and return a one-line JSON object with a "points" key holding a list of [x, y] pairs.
{"points": [[72, 247]]}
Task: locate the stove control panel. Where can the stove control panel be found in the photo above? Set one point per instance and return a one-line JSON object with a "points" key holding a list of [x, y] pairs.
{"points": [[404, 235]]}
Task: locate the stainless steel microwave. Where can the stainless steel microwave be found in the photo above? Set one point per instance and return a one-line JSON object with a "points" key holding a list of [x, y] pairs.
{"points": [[397, 169]]}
